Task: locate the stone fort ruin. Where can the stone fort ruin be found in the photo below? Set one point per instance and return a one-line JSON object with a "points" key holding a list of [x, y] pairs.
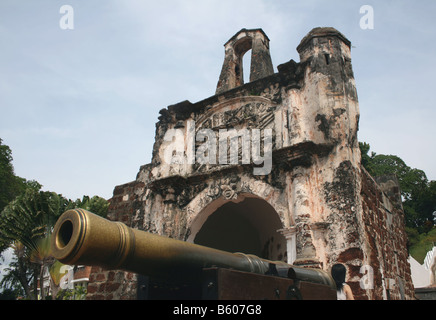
{"points": [[315, 207]]}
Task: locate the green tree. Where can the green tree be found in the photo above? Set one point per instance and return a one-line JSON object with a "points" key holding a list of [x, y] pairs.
{"points": [[19, 273], [412, 181], [30, 217], [27, 223], [78, 293], [421, 244], [28, 220], [8, 294], [10, 185], [420, 207], [96, 205], [365, 157]]}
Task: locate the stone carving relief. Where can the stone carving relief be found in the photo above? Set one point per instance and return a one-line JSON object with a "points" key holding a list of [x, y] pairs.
{"points": [[273, 93], [255, 114], [242, 114], [226, 187]]}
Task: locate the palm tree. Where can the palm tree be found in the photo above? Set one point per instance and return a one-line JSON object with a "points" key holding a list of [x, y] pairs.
{"points": [[27, 223], [29, 220], [18, 274]]}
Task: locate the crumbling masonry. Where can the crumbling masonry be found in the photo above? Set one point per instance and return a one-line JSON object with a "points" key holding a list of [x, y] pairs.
{"points": [[316, 207]]}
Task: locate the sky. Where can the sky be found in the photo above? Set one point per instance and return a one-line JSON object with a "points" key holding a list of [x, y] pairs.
{"points": [[78, 107]]}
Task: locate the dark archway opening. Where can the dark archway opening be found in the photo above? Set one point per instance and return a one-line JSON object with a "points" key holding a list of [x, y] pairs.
{"points": [[230, 231], [249, 226]]}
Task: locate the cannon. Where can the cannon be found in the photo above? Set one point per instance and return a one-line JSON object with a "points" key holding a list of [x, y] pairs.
{"points": [[172, 269]]}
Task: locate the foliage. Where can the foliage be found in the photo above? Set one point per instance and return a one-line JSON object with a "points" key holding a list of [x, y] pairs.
{"points": [[421, 244], [420, 207], [20, 272], [78, 293], [30, 217], [411, 180], [10, 184], [9, 294], [96, 205], [26, 222]]}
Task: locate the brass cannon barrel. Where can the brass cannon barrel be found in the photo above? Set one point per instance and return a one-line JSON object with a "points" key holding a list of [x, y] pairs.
{"points": [[81, 237]]}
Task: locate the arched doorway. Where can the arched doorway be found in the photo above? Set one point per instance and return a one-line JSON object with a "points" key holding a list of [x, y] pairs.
{"points": [[249, 226]]}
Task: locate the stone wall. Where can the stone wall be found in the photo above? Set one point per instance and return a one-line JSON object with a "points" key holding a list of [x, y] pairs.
{"points": [[114, 284], [385, 239], [315, 207], [382, 247]]}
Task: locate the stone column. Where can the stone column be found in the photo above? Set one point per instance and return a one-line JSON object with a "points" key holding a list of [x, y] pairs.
{"points": [[300, 205], [291, 242]]}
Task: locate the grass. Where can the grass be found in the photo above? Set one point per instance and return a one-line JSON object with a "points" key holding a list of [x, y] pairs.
{"points": [[424, 243]]}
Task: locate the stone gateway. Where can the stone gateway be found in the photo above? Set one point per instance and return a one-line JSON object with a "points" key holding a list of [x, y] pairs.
{"points": [[315, 207]]}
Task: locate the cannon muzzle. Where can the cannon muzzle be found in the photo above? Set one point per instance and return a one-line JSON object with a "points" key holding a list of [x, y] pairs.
{"points": [[81, 237]]}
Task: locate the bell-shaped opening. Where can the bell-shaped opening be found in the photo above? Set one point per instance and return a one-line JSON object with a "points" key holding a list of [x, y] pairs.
{"points": [[242, 69], [246, 63]]}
